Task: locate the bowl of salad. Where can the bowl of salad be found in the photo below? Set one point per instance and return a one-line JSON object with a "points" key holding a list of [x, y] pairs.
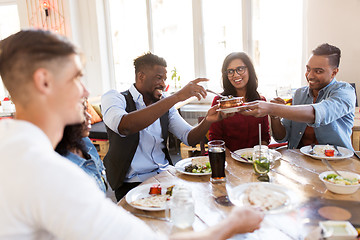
{"points": [[348, 184]]}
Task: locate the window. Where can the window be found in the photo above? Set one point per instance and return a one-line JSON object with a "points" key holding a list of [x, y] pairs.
{"points": [[277, 40], [9, 24], [194, 36], [173, 30]]}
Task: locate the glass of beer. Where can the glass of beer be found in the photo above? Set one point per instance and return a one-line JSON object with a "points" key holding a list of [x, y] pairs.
{"points": [[285, 93], [217, 160]]}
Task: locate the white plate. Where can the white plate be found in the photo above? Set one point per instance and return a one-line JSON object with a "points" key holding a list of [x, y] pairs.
{"points": [[346, 153], [229, 110], [238, 197], [249, 151], [180, 166], [142, 191]]}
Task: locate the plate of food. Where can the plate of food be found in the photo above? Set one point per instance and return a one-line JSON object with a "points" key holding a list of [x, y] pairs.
{"points": [[268, 197], [230, 104], [197, 166], [228, 110], [245, 155], [327, 152], [150, 197]]}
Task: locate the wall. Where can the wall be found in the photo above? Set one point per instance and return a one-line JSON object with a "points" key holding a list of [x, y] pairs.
{"points": [[84, 24], [336, 22]]}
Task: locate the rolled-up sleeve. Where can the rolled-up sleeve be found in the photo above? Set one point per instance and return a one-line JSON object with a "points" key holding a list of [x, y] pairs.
{"points": [[178, 126], [339, 103], [113, 106]]}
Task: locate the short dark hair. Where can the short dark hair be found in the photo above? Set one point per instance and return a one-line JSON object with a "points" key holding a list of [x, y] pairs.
{"points": [[148, 60], [251, 87], [27, 50], [331, 52]]}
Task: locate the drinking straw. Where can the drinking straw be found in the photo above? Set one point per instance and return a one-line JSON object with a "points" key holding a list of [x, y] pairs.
{"points": [[260, 135], [260, 140]]}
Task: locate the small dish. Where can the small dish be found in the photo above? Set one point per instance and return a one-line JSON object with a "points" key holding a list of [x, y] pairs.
{"points": [[339, 188], [337, 230]]}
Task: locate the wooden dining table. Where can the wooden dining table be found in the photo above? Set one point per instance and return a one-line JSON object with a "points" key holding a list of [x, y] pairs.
{"points": [[294, 172]]}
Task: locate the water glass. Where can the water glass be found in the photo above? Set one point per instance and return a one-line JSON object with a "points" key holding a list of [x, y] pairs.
{"points": [[180, 209], [217, 160]]}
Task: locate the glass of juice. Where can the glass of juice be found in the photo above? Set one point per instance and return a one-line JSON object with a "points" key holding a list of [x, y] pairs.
{"points": [[217, 160]]}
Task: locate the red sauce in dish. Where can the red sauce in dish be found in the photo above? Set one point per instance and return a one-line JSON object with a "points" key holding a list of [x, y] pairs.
{"points": [[156, 189]]}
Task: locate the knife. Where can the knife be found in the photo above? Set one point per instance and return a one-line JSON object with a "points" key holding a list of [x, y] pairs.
{"points": [[149, 216], [238, 156]]}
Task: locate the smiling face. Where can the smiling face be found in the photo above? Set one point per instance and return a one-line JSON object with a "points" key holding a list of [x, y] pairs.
{"points": [[239, 81], [151, 83], [68, 91], [319, 73]]}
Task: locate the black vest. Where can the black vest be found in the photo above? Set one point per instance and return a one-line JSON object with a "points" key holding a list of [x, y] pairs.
{"points": [[122, 149]]}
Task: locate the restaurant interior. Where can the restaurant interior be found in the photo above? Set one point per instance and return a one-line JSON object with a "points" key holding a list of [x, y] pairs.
{"points": [[194, 36]]}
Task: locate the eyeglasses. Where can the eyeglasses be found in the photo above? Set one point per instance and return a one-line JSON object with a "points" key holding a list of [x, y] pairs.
{"points": [[240, 70]]}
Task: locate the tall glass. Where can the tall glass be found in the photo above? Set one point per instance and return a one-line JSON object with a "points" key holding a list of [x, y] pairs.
{"points": [[217, 160], [261, 161]]}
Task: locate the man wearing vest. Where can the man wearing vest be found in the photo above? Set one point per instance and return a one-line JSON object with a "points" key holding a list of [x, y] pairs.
{"points": [[138, 121]]}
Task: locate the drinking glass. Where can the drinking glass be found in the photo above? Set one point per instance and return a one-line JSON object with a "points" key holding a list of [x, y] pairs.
{"points": [[285, 93], [261, 162], [180, 209], [217, 160]]}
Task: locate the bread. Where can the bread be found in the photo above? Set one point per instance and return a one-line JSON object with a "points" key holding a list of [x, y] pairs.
{"points": [[264, 198], [155, 201], [200, 161]]}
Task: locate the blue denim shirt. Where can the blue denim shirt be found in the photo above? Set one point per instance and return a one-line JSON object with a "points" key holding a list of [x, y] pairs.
{"points": [[93, 166], [334, 115]]}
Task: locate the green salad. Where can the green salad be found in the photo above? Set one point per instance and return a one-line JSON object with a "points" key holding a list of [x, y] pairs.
{"points": [[198, 169], [334, 178]]}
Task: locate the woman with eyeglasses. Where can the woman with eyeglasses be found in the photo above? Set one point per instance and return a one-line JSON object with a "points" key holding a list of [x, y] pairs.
{"points": [[239, 80]]}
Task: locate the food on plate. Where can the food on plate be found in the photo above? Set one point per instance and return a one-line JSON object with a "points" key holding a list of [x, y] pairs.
{"points": [[334, 178], [156, 199], [248, 155], [231, 102], [199, 165], [155, 190], [324, 150], [264, 198], [169, 190], [329, 152]]}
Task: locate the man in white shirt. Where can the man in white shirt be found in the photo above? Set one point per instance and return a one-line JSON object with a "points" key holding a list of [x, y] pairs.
{"points": [[42, 195]]}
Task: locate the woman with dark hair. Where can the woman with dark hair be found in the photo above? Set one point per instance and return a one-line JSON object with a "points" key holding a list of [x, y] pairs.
{"points": [[239, 80], [77, 147]]}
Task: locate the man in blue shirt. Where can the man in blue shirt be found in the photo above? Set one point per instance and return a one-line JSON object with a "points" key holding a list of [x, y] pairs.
{"points": [[138, 121], [322, 112]]}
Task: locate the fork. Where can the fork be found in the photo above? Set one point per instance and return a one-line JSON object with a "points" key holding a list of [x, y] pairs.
{"points": [[311, 151], [208, 90], [339, 154], [324, 160]]}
